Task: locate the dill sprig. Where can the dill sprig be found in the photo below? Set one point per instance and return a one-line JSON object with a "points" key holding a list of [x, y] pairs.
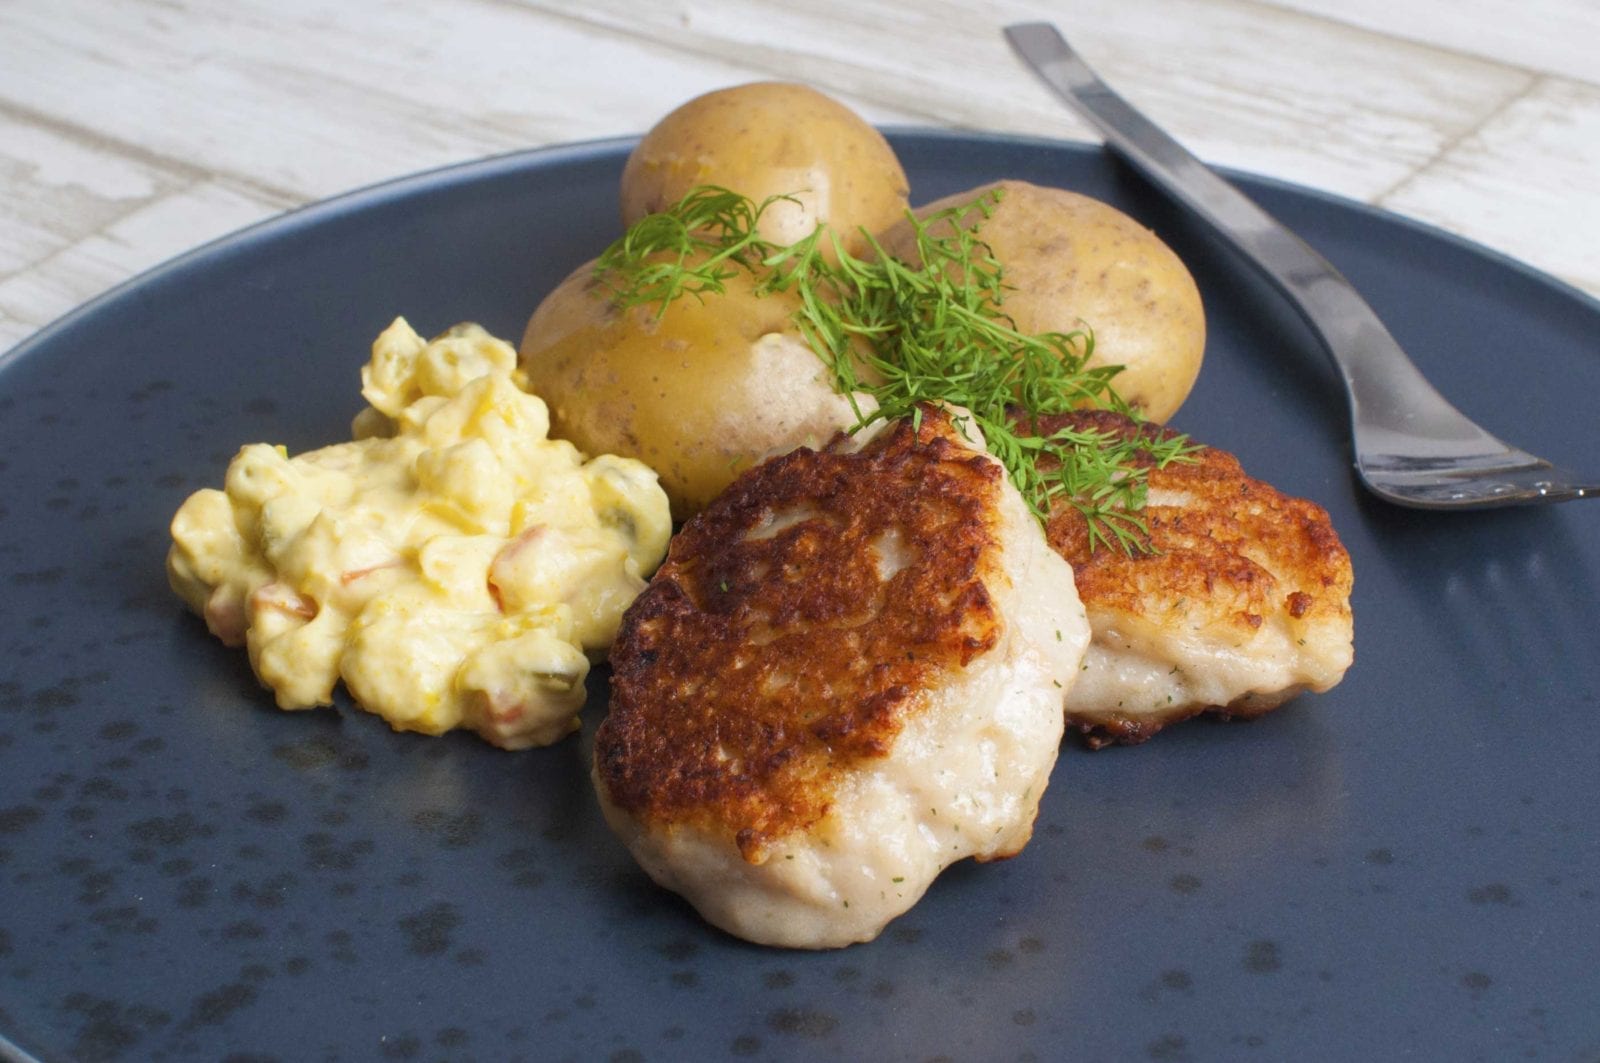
{"points": [[690, 249], [929, 329]]}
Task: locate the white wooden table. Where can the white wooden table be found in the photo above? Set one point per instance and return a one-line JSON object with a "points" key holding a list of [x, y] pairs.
{"points": [[132, 130]]}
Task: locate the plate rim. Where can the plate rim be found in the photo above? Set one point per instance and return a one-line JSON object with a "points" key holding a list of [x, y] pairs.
{"points": [[464, 171]]}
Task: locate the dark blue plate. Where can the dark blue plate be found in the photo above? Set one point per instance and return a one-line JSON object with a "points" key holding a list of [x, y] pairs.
{"points": [[1406, 866]]}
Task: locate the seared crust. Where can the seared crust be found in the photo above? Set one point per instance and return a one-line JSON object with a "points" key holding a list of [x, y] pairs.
{"points": [[1225, 552], [770, 654]]}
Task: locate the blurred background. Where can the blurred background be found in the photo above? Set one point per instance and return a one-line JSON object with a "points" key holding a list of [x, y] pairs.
{"points": [[132, 131]]}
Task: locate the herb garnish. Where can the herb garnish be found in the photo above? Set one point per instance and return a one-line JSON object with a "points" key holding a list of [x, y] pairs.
{"points": [[690, 248], [932, 330]]}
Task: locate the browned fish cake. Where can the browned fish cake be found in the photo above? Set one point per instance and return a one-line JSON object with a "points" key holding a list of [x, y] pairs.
{"points": [[771, 605], [831, 612], [1242, 601]]}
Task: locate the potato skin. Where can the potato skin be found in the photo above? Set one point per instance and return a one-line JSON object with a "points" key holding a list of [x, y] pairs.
{"points": [[699, 394], [770, 139], [1076, 261]]}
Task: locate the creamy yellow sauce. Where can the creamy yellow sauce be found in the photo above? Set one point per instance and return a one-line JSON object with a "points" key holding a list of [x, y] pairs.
{"points": [[453, 565]]}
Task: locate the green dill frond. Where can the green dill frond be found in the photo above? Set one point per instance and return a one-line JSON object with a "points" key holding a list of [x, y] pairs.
{"points": [[929, 330], [690, 249]]}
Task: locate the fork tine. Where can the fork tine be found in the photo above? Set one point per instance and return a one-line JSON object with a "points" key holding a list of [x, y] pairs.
{"points": [[1481, 488]]}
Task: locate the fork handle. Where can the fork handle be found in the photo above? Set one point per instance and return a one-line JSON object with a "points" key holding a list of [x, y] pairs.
{"points": [[1388, 392]]}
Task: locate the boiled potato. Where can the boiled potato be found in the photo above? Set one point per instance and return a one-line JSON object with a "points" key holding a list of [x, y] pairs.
{"points": [[700, 393], [771, 139], [1074, 262]]}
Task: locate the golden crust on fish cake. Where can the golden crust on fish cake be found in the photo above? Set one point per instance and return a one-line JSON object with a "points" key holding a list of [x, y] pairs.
{"points": [[792, 628], [1231, 561]]}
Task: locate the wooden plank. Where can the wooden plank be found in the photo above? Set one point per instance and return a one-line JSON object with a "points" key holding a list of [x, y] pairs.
{"points": [[1560, 37], [306, 100], [165, 226], [206, 118], [63, 188], [175, 85], [1490, 188], [132, 131], [1243, 84]]}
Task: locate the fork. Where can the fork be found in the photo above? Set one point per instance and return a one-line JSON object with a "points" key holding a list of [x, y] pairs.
{"points": [[1412, 447]]}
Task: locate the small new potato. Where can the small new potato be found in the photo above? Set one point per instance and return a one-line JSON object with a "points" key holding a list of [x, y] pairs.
{"points": [[771, 139], [700, 393], [1074, 262]]}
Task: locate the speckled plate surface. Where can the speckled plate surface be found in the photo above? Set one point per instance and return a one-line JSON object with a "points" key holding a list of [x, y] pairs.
{"points": [[1407, 866]]}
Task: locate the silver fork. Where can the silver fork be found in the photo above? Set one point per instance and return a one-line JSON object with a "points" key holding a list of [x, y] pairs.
{"points": [[1411, 446]]}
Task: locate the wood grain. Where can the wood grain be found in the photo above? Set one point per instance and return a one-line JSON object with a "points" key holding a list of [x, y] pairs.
{"points": [[131, 131], [1530, 173], [1260, 89], [1560, 37], [162, 227]]}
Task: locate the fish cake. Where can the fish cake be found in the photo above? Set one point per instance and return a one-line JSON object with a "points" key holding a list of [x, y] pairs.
{"points": [[1240, 601], [846, 677]]}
